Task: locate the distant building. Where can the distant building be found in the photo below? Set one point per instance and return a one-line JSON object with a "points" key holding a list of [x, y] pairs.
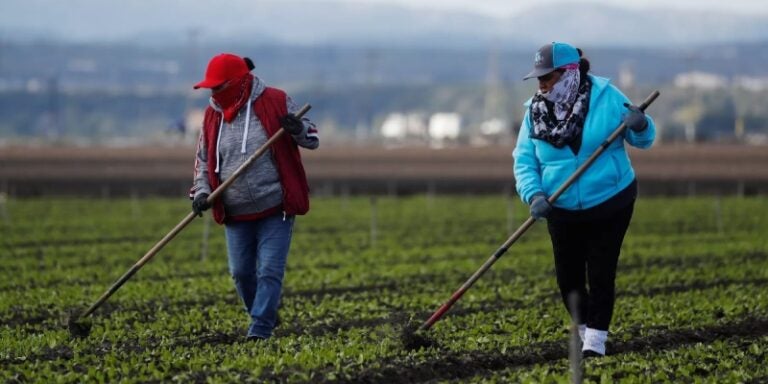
{"points": [[404, 128], [444, 128], [493, 127], [394, 126], [756, 139], [493, 131], [701, 80], [441, 129], [753, 84]]}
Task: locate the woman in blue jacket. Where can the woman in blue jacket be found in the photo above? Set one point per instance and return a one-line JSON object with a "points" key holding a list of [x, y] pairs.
{"points": [[567, 119]]}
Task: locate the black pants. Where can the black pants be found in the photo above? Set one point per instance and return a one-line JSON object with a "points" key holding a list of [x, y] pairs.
{"points": [[588, 251]]}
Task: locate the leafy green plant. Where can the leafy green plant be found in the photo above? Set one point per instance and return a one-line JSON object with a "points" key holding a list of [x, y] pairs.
{"points": [[691, 298]]}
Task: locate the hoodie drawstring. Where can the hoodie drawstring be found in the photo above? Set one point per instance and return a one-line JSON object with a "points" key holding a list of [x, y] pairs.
{"points": [[247, 123], [218, 140], [245, 135]]}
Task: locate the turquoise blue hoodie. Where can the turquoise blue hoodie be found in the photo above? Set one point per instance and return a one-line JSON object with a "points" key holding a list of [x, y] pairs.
{"points": [[541, 167]]}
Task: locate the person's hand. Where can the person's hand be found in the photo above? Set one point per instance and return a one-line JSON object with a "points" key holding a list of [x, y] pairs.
{"points": [[200, 204], [540, 207], [292, 124], [635, 118]]}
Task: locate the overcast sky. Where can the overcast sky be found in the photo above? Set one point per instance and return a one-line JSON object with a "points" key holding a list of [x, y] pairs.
{"points": [[88, 20], [28, 8], [508, 7]]}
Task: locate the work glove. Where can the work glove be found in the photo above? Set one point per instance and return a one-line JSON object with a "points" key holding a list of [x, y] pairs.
{"points": [[292, 124], [635, 118], [540, 207], [200, 204]]}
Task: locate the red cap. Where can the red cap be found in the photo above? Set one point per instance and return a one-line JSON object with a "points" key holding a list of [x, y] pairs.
{"points": [[221, 68]]}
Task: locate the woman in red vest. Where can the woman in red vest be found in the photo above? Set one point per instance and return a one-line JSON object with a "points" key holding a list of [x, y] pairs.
{"points": [[258, 209]]}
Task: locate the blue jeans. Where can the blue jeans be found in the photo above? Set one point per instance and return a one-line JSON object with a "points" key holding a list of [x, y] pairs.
{"points": [[257, 254]]}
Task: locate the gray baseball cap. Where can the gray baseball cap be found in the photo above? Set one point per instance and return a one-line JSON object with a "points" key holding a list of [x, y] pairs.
{"points": [[552, 56]]}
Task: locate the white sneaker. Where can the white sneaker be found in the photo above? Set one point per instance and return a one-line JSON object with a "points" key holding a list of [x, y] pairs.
{"points": [[594, 340]]}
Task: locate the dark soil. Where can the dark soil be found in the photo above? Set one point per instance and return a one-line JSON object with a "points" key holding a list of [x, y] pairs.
{"points": [[660, 262], [454, 365], [71, 242], [78, 326], [413, 339], [22, 317], [451, 365]]}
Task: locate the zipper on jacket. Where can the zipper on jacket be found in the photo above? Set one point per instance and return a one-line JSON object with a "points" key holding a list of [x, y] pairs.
{"points": [[284, 215], [616, 167], [576, 185]]}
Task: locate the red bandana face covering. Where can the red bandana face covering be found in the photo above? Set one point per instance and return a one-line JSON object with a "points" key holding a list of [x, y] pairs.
{"points": [[234, 96]]}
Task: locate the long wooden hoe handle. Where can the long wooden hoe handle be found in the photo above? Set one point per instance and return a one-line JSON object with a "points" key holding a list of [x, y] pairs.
{"points": [[191, 216], [529, 222]]}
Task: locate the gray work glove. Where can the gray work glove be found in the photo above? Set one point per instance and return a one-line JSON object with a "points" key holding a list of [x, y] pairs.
{"points": [[540, 207], [200, 204], [292, 124], [635, 118]]}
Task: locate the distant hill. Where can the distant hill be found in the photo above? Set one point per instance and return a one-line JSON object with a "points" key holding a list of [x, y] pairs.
{"points": [[600, 25], [305, 22], [133, 65]]}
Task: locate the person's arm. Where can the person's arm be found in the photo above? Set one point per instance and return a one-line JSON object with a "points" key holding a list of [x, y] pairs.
{"points": [[637, 135], [527, 169], [306, 136], [200, 183]]}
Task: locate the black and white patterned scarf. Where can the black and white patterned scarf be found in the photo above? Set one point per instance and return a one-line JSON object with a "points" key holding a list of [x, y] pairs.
{"points": [[558, 115]]}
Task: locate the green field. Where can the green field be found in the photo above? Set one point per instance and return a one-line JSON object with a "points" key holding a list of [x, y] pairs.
{"points": [[692, 297]]}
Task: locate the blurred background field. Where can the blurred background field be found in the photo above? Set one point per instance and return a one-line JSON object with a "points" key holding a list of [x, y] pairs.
{"points": [[378, 72], [408, 96]]}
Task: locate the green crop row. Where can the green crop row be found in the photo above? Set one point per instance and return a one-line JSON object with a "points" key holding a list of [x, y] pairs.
{"points": [[692, 303]]}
